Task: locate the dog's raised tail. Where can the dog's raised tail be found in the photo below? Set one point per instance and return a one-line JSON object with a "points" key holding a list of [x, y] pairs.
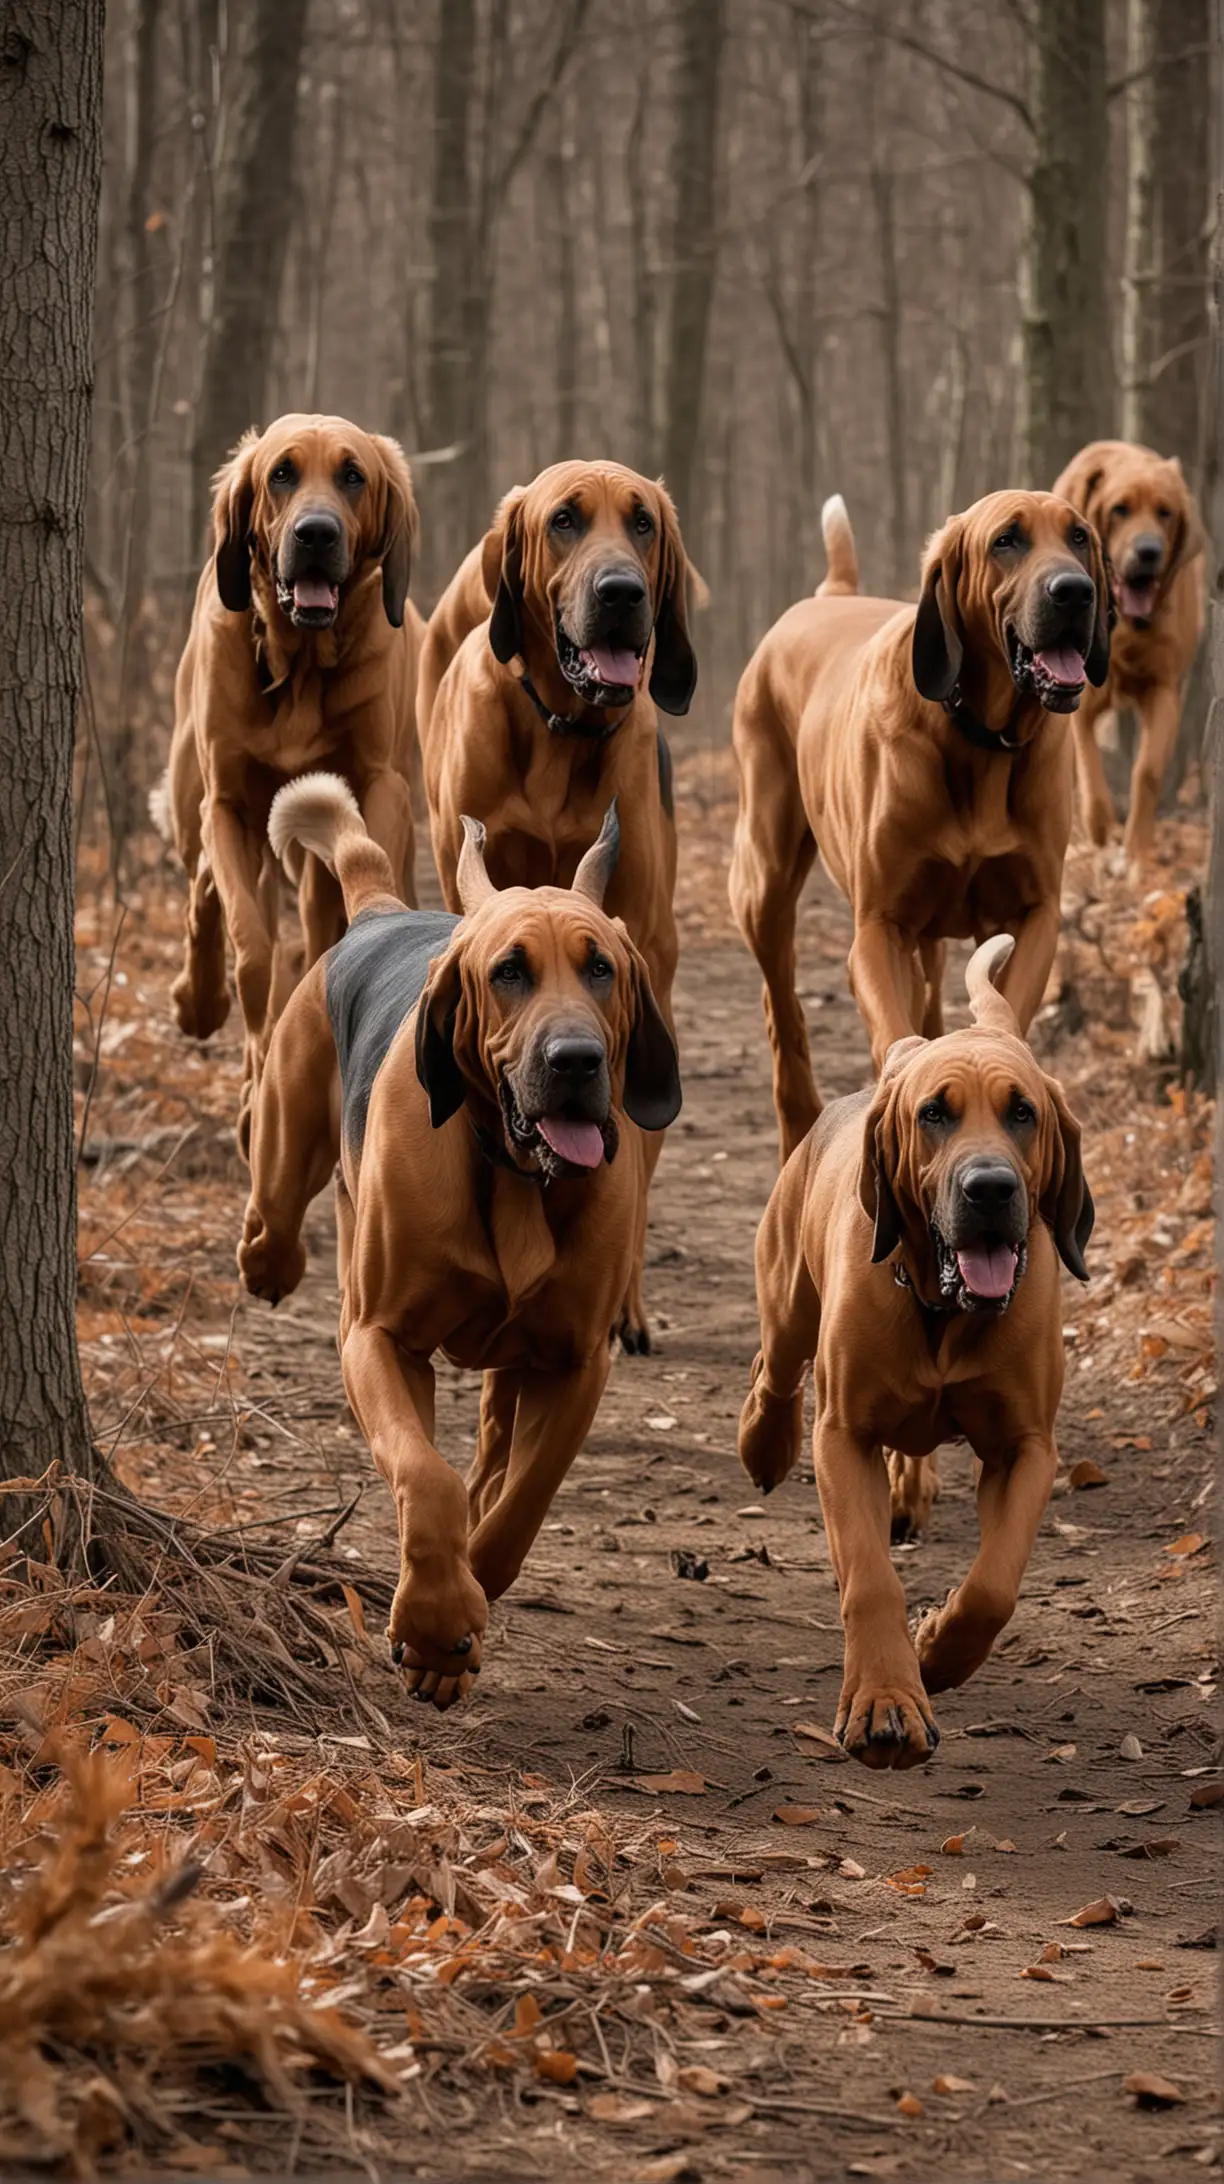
{"points": [[319, 814], [842, 577], [988, 1007]]}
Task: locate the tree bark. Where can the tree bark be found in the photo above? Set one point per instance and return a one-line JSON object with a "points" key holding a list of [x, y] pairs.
{"points": [[451, 238], [694, 248], [255, 202], [1138, 317], [50, 181], [1175, 413], [1067, 390]]}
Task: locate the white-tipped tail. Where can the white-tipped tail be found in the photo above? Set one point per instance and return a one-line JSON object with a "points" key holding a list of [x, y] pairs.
{"points": [[309, 814], [988, 1006], [842, 579], [159, 807]]}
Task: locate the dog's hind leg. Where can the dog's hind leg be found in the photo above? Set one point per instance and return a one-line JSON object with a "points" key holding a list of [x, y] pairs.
{"points": [[773, 854], [295, 1143], [913, 1484], [771, 1422], [499, 1394]]}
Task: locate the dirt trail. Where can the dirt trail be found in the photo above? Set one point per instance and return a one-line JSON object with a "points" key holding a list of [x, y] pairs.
{"points": [[606, 1666]]}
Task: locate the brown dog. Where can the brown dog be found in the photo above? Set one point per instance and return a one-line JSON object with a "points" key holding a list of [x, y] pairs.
{"points": [[919, 750], [534, 716], [303, 647], [1154, 541], [487, 1108], [911, 1248]]}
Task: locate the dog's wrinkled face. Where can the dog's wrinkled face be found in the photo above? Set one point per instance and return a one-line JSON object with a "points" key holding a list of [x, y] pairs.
{"points": [[308, 504], [1019, 575], [1143, 509], [968, 1144], [543, 1011], [589, 560]]}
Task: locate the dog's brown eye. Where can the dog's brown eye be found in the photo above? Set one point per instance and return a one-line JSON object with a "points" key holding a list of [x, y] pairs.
{"points": [[932, 1113], [283, 474], [351, 476], [1077, 535], [1005, 543], [1120, 508], [599, 967], [1023, 1111], [643, 522], [1163, 514], [563, 520], [509, 972]]}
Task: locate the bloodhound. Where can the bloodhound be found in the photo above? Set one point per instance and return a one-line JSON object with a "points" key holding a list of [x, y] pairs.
{"points": [[1154, 544], [542, 669], [303, 648], [486, 1084], [911, 1248], [921, 752]]}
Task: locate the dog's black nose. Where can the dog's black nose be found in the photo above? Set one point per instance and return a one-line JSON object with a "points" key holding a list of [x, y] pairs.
{"points": [[1147, 553], [317, 529], [621, 588], [573, 1055], [989, 1185], [1071, 588]]}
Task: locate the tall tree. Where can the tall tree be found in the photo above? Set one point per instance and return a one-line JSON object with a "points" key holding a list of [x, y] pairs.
{"points": [[50, 180], [255, 201], [694, 245], [1067, 381], [1167, 280]]}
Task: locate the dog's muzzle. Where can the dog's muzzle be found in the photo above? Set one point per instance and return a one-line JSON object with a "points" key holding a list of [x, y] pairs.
{"points": [[311, 567], [557, 1106], [602, 648], [981, 1237], [1048, 656]]}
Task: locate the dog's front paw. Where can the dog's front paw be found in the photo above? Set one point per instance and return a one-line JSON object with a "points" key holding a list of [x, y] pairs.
{"points": [[953, 1641], [271, 1266], [886, 1722], [770, 1431], [436, 1632]]}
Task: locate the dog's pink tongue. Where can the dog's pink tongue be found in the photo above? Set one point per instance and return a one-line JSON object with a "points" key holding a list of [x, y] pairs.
{"points": [[988, 1270], [613, 664], [312, 592], [579, 1142], [1063, 664], [1137, 601]]}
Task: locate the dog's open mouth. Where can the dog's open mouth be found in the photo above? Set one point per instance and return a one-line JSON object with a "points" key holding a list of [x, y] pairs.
{"points": [[604, 673], [311, 602], [1137, 599], [978, 1277], [1055, 674], [563, 1144]]}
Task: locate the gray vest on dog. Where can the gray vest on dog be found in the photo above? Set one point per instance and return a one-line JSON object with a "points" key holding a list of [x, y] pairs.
{"points": [[375, 977]]}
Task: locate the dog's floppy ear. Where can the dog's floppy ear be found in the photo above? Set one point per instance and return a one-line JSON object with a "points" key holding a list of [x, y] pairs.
{"points": [[876, 1170], [1066, 1204], [1081, 482], [938, 648], [400, 529], [652, 1070], [437, 1018], [502, 567], [1190, 538], [1096, 665], [673, 673], [233, 503]]}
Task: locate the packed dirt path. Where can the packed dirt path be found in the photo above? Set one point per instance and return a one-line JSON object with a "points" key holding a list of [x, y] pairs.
{"points": [[973, 2027]]}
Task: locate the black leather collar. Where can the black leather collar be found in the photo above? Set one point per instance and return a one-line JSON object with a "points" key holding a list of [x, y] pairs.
{"points": [[563, 724], [975, 731], [497, 1156]]}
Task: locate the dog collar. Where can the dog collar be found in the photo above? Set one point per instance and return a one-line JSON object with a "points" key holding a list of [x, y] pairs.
{"points": [[903, 1281], [497, 1156], [975, 731], [563, 724]]}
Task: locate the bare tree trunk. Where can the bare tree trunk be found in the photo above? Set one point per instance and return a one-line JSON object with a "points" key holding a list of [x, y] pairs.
{"points": [[1068, 394], [694, 246], [126, 786], [900, 558], [254, 214], [451, 237], [50, 179], [1179, 413], [645, 287], [1137, 313]]}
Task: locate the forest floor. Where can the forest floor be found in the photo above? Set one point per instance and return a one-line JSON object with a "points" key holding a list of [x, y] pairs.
{"points": [[630, 1913]]}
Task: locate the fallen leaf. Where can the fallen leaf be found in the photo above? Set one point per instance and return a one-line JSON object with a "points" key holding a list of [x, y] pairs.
{"points": [[1006, 1845], [1104, 1912], [1043, 1972], [911, 1880], [683, 1781], [946, 2083], [616, 2108], [527, 2015], [1207, 1796], [1052, 1953], [352, 1601], [1130, 1747], [1151, 2090], [1061, 1754], [1155, 1846], [909, 2104], [695, 2078], [799, 1816], [1190, 1543], [1086, 1473], [1137, 1808], [953, 1846], [851, 1870], [828, 1746]]}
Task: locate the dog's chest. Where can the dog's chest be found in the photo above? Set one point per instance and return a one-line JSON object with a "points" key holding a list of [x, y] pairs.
{"points": [[306, 721]]}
